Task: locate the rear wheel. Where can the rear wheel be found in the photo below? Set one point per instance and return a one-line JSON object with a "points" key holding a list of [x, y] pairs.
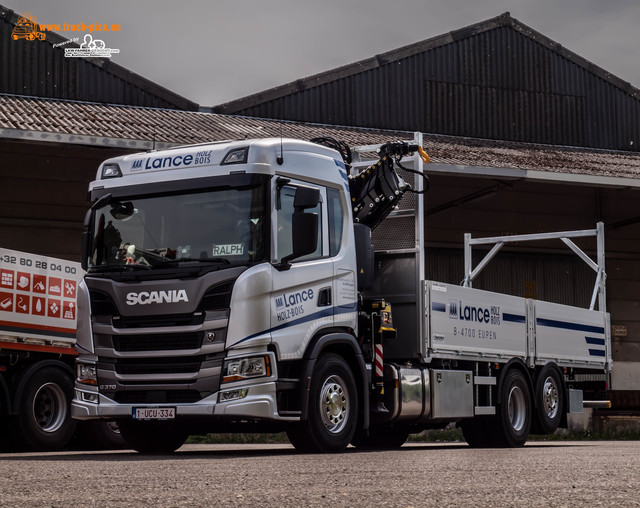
{"points": [[333, 408], [44, 417], [513, 416], [153, 437], [550, 399]]}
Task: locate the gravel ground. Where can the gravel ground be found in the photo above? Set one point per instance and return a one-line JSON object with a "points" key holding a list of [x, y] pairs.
{"points": [[540, 474]]}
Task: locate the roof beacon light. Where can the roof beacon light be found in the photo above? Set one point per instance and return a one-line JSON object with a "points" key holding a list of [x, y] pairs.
{"points": [[236, 156], [111, 171]]}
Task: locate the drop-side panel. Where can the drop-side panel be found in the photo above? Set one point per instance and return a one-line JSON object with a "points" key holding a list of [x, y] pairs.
{"points": [[467, 322], [570, 336]]}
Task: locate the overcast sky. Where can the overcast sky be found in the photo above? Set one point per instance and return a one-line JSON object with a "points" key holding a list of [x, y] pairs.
{"points": [[212, 51]]}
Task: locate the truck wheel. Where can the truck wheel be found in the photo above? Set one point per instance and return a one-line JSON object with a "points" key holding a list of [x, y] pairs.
{"points": [[380, 438], [514, 411], [478, 432], [152, 437], [333, 408], [549, 398], [100, 435], [44, 417]]}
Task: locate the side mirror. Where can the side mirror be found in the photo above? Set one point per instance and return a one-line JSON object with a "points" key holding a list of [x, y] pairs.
{"points": [[306, 197]]}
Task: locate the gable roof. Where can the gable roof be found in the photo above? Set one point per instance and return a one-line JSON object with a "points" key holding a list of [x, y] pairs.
{"points": [[39, 68], [37, 120], [503, 20]]}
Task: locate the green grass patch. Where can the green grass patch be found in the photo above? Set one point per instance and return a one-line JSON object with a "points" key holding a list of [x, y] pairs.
{"points": [[248, 438]]}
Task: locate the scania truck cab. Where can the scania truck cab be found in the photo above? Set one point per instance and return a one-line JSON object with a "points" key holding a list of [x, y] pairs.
{"points": [[216, 274]]}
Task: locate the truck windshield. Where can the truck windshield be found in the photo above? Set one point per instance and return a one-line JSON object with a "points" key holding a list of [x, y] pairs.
{"points": [[225, 226]]}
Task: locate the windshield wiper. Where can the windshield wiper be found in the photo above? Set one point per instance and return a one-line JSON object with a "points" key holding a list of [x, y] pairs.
{"points": [[119, 268], [198, 260]]}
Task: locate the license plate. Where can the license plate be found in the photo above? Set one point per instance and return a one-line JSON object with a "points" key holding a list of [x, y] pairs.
{"points": [[154, 413]]}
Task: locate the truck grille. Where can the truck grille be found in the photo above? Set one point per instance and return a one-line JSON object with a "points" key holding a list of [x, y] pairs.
{"points": [[158, 321], [176, 365], [157, 342], [218, 297], [157, 397]]}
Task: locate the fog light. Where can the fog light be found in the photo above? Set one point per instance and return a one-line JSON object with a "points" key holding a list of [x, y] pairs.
{"points": [[236, 156], [89, 397], [233, 395], [111, 171]]}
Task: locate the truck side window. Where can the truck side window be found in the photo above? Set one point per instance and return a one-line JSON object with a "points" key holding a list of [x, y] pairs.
{"points": [[336, 220], [284, 214]]}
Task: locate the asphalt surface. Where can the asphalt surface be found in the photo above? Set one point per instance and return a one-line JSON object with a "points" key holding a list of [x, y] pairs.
{"points": [[540, 474]]}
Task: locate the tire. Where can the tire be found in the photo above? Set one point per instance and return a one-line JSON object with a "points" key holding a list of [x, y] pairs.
{"points": [[100, 435], [298, 437], [549, 396], [478, 432], [333, 408], [152, 437], [380, 438], [513, 414], [44, 417]]}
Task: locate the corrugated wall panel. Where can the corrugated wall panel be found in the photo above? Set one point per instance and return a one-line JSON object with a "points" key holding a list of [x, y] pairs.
{"points": [[36, 68], [554, 278], [499, 84]]}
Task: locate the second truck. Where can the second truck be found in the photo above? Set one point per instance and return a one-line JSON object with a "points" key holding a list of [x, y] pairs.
{"points": [[237, 286]]}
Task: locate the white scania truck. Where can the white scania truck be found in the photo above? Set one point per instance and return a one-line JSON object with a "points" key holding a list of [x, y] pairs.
{"points": [[237, 286]]}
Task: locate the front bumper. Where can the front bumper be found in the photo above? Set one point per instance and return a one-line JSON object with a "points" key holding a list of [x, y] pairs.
{"points": [[259, 403]]}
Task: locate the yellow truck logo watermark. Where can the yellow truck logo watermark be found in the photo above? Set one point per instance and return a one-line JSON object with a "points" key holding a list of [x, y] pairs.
{"points": [[27, 28]]}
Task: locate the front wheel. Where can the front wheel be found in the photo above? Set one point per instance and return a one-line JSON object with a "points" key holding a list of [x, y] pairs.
{"points": [[152, 437], [333, 408]]}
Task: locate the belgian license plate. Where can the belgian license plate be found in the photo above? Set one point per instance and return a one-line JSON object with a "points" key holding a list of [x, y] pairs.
{"points": [[154, 413]]}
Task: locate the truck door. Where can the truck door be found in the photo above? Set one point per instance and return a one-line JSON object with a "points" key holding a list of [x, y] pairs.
{"points": [[342, 253], [301, 301]]}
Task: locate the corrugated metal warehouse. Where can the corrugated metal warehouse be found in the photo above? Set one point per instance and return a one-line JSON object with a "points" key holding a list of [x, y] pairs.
{"points": [[498, 79], [497, 100]]}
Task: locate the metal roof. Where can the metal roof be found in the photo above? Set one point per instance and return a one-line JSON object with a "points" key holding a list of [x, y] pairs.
{"points": [[39, 68], [68, 122], [496, 79]]}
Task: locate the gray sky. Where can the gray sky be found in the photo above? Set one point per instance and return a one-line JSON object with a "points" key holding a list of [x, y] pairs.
{"points": [[212, 51]]}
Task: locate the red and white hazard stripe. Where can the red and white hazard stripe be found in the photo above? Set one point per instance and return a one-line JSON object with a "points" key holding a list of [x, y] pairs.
{"points": [[378, 361]]}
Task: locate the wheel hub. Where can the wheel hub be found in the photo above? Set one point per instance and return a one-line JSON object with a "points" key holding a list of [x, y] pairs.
{"points": [[334, 404], [516, 407], [550, 397], [49, 407]]}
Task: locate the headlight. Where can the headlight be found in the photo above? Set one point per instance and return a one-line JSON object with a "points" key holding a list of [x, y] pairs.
{"points": [[86, 374], [246, 368]]}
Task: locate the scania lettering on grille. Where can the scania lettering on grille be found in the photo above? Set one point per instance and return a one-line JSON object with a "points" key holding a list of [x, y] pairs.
{"points": [[147, 297]]}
